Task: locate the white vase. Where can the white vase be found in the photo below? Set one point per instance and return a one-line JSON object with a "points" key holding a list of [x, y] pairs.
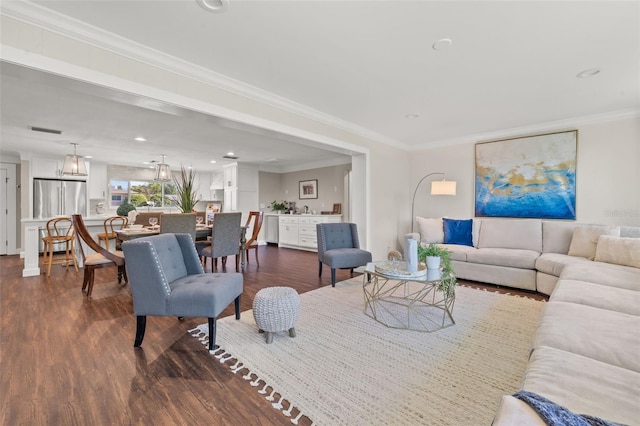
{"points": [[433, 262]]}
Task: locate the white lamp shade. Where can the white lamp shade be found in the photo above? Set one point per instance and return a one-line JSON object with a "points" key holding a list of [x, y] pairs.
{"points": [[74, 165], [443, 187]]}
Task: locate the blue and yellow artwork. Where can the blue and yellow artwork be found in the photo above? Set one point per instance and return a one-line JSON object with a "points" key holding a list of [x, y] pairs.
{"points": [[527, 177]]}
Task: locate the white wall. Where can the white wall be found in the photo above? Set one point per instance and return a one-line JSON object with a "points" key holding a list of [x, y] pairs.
{"points": [[608, 175]]}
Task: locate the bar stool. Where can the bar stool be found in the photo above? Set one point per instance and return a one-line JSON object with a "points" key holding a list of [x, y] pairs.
{"points": [[59, 230], [110, 225]]}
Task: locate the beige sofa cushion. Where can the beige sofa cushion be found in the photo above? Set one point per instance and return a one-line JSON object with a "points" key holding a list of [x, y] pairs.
{"points": [[554, 263], [525, 234], [458, 252], [513, 258], [556, 236], [584, 385], [513, 412], [585, 238], [598, 296], [431, 230], [603, 335], [604, 274], [618, 250]]}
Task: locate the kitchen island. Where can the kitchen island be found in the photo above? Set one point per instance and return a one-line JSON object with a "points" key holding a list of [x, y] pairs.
{"points": [[31, 240]]}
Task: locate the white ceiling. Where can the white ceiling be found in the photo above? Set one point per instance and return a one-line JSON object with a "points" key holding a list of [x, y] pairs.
{"points": [[364, 64]]}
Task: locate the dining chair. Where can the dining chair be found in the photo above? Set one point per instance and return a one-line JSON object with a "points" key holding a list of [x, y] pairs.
{"points": [[142, 218], [111, 224], [339, 247], [59, 231], [252, 242], [178, 223], [102, 257], [167, 279], [225, 238]]}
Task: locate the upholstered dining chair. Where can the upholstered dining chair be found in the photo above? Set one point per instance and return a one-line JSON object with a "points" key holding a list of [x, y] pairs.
{"points": [[59, 231], [102, 257], [142, 218], [167, 279], [178, 223], [225, 238], [111, 224], [252, 242], [339, 248]]}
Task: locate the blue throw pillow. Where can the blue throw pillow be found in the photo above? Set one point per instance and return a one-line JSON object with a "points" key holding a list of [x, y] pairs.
{"points": [[458, 231]]}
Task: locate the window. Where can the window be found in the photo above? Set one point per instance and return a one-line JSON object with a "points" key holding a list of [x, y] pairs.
{"points": [[142, 193]]}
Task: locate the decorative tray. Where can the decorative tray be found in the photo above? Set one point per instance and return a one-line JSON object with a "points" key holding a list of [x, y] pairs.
{"points": [[399, 269]]}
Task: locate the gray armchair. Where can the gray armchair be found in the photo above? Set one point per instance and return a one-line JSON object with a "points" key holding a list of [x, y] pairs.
{"points": [[167, 279], [339, 247]]}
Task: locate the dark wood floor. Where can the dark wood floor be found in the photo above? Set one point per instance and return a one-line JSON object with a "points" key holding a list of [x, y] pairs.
{"points": [[69, 360]]}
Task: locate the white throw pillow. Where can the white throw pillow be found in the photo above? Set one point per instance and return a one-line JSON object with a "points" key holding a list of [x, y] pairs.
{"points": [[431, 230], [585, 238], [618, 250]]}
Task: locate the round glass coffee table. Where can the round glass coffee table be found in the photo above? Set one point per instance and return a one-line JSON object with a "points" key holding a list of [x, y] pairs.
{"points": [[403, 300]]}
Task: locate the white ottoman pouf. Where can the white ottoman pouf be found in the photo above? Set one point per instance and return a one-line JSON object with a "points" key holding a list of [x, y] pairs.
{"points": [[276, 309]]}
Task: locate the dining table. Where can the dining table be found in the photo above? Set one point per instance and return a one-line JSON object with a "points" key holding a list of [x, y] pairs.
{"points": [[203, 232]]}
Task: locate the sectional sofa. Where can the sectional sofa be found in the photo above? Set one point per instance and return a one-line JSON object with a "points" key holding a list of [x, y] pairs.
{"points": [[585, 353]]}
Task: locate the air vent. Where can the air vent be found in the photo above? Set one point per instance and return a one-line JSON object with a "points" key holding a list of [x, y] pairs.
{"points": [[230, 157], [45, 130]]}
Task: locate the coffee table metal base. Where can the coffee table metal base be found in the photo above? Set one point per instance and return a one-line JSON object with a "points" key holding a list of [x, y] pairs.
{"points": [[407, 304]]}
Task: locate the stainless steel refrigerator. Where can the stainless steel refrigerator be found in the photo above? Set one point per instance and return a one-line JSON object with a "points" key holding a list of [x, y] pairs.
{"points": [[58, 197]]}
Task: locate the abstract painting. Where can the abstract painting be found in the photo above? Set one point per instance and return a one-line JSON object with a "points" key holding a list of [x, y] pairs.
{"points": [[527, 177]]}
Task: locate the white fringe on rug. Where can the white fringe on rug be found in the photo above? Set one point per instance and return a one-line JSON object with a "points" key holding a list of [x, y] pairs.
{"points": [[201, 332]]}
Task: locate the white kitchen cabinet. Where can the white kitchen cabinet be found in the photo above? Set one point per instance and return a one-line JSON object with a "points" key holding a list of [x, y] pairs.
{"points": [[288, 232], [217, 181], [299, 231], [98, 185], [240, 188], [51, 168], [202, 182], [46, 168]]}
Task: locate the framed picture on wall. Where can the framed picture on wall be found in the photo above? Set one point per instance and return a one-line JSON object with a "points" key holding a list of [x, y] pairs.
{"points": [[308, 189], [527, 177]]}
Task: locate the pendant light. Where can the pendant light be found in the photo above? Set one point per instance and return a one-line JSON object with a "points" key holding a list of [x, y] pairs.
{"points": [[74, 164], [163, 172]]}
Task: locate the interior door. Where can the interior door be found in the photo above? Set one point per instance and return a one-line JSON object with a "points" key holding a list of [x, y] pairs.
{"points": [[3, 211]]}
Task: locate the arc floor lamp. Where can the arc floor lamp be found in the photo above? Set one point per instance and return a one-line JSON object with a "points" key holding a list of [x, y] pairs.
{"points": [[438, 187]]}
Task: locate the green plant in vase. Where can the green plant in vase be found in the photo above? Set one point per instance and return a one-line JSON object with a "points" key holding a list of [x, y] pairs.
{"points": [[185, 190], [448, 281], [277, 207]]}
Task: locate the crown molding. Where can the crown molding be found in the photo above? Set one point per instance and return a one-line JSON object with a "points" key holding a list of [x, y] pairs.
{"points": [[549, 126], [50, 20], [307, 165]]}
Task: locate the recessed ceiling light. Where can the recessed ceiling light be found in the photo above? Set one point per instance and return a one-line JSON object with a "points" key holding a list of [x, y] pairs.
{"points": [[411, 116], [88, 156], [140, 139], [145, 162], [215, 6], [230, 154], [588, 73], [213, 161], [441, 44]]}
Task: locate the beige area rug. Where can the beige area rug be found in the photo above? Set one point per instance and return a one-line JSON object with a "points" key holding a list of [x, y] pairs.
{"points": [[345, 368]]}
